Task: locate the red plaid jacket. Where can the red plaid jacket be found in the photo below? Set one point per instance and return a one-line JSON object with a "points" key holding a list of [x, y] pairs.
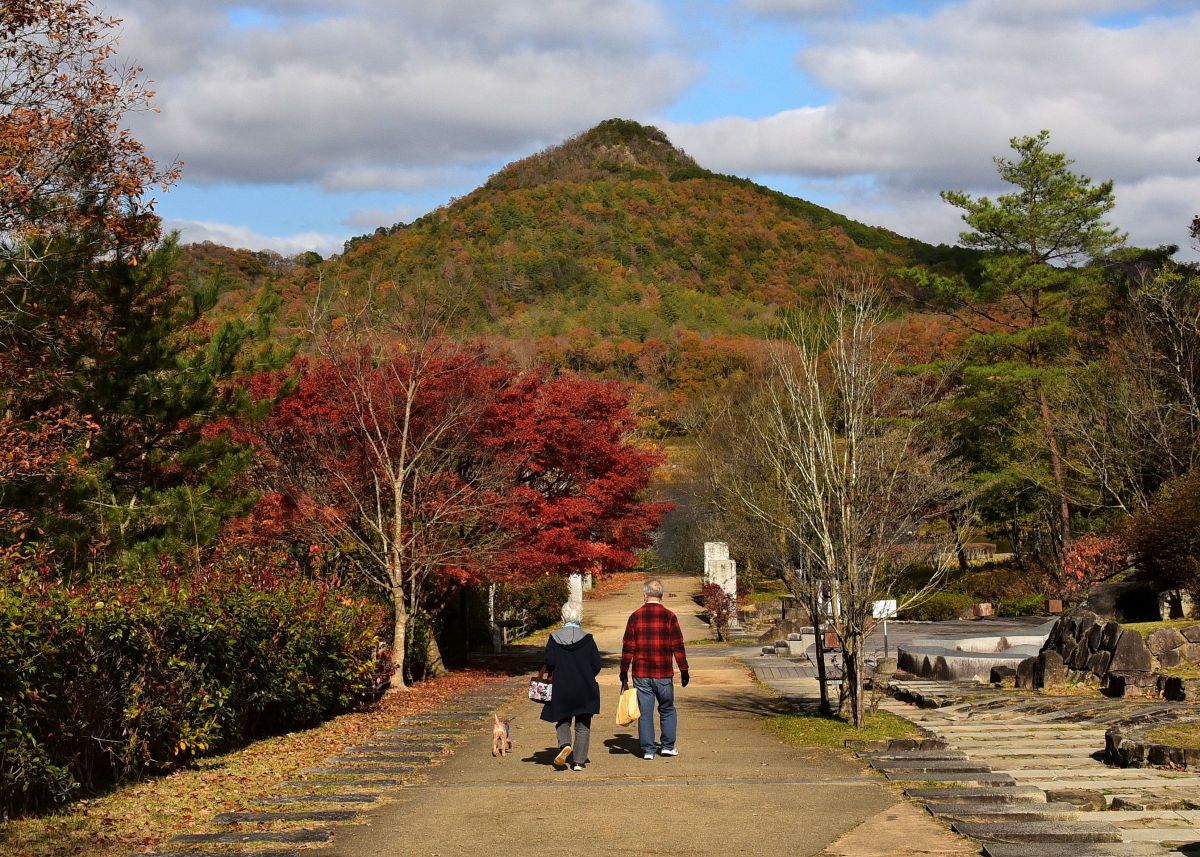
{"points": [[652, 638]]}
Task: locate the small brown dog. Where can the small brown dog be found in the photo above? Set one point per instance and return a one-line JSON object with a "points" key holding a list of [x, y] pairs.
{"points": [[501, 742]]}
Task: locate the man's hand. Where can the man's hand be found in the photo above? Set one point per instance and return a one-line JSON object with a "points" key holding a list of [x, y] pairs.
{"points": [[684, 677], [624, 682]]}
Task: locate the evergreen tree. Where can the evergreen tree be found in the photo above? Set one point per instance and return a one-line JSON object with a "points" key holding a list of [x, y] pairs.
{"points": [[1038, 241]]}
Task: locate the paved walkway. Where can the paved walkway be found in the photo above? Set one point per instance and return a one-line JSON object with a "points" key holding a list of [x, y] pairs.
{"points": [[734, 789]]}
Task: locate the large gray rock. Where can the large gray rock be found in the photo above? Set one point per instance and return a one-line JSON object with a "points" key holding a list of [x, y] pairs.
{"points": [[1025, 674], [1130, 654], [1108, 637], [1002, 674], [1190, 652], [1084, 620], [1164, 640], [1098, 663], [1191, 633], [1049, 670], [1170, 659], [1094, 635]]}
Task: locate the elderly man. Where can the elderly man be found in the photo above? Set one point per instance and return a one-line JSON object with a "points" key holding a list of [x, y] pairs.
{"points": [[652, 639]]}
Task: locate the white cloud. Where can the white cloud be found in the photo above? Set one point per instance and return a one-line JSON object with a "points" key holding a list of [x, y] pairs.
{"points": [[241, 237], [796, 8], [356, 94], [924, 103]]}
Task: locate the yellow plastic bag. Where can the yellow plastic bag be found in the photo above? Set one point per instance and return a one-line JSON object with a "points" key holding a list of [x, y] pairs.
{"points": [[627, 708]]}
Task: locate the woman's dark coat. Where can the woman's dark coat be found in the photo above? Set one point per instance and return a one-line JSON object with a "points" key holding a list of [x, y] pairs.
{"points": [[574, 666]]}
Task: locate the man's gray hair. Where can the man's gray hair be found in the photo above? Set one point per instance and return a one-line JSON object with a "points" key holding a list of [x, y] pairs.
{"points": [[653, 588], [572, 611]]}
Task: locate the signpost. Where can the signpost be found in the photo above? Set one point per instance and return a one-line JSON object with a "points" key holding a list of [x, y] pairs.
{"points": [[884, 610]]}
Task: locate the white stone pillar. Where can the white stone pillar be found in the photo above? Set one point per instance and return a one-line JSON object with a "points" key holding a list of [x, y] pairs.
{"points": [[575, 586]]}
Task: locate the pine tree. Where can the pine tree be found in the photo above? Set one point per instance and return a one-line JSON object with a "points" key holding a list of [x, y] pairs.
{"points": [[1038, 241]]}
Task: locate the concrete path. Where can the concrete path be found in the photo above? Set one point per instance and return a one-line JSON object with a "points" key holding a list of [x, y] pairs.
{"points": [[734, 789]]}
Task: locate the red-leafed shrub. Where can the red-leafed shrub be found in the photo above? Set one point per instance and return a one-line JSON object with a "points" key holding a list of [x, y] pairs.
{"points": [[1093, 558], [720, 606], [105, 682]]}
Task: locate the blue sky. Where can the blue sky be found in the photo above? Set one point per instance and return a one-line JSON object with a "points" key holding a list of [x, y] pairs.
{"points": [[303, 122]]}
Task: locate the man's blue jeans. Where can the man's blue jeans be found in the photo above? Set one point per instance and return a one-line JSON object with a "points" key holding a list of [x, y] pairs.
{"points": [[650, 691]]}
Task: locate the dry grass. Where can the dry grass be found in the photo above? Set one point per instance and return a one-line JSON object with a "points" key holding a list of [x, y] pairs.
{"points": [[142, 816], [1148, 628], [1185, 735]]}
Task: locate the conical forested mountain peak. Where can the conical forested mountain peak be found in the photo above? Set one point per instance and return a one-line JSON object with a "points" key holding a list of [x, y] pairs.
{"points": [[614, 147]]}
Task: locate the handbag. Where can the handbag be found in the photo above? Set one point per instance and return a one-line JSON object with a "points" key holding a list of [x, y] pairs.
{"points": [[541, 686], [628, 709]]}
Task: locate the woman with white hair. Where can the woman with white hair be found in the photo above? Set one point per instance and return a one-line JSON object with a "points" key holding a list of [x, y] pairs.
{"points": [[573, 659]]}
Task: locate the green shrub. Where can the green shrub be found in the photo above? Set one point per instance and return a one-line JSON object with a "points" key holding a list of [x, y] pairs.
{"points": [[939, 607], [1022, 605], [107, 681], [541, 600]]}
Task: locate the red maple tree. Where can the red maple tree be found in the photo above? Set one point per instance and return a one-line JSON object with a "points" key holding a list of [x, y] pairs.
{"points": [[432, 463]]}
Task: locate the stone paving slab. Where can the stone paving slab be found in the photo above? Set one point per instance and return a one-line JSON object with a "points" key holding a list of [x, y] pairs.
{"points": [[919, 767], [271, 852], [1005, 811], [944, 777], [1181, 835], [1064, 831], [361, 769], [250, 837], [1007, 795], [315, 798], [267, 817], [340, 783], [915, 755], [381, 759], [1068, 849]]}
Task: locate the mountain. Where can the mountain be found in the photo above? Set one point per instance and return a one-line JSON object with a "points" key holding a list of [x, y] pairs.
{"points": [[617, 254]]}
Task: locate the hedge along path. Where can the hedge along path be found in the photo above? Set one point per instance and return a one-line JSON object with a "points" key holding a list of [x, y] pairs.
{"points": [[144, 816], [735, 788]]}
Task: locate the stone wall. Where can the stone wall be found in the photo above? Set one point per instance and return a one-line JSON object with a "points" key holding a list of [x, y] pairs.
{"points": [[1085, 648]]}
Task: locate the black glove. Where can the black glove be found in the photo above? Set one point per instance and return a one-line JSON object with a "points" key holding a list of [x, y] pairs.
{"points": [[684, 677], [624, 682]]}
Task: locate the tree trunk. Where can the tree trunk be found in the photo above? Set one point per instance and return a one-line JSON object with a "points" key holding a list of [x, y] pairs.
{"points": [[822, 680], [399, 640], [853, 658], [1059, 471], [952, 518], [434, 667]]}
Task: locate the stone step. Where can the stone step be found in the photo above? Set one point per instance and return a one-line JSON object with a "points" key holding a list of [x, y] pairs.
{"points": [[270, 852], [250, 837], [1005, 812], [988, 779], [1034, 831], [340, 783], [1083, 751], [999, 795], [380, 758], [268, 817], [1103, 782], [916, 756], [358, 770], [315, 798], [1040, 763], [1069, 849], [919, 767]]}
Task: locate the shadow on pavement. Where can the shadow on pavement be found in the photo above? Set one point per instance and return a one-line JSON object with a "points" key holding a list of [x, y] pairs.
{"points": [[736, 702], [623, 744], [542, 757]]}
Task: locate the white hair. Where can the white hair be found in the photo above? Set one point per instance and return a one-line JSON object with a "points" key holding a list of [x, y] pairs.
{"points": [[572, 611]]}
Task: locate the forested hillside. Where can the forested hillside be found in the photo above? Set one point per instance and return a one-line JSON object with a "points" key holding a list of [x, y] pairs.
{"points": [[613, 253]]}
